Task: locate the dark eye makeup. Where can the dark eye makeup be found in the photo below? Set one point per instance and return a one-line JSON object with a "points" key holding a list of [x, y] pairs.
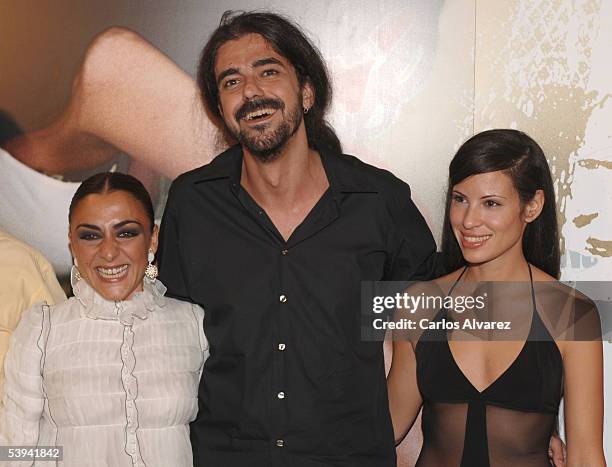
{"points": [[129, 233], [123, 230], [88, 235]]}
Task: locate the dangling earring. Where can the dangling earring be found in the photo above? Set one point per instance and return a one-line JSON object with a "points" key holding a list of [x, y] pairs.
{"points": [[75, 275], [151, 272]]}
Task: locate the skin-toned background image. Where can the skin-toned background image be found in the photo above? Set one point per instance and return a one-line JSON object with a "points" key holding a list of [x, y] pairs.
{"points": [[411, 79]]}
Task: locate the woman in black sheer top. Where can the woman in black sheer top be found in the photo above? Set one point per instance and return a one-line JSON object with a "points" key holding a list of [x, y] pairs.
{"points": [[490, 398]]}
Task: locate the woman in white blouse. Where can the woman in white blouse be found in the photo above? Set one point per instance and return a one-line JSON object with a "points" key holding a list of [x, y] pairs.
{"points": [[111, 375]]}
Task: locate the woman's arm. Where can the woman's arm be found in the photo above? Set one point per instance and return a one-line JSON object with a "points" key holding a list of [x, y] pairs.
{"points": [[404, 397], [583, 387]]}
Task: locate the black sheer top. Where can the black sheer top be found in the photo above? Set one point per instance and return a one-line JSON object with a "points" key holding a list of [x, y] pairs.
{"points": [[509, 423]]}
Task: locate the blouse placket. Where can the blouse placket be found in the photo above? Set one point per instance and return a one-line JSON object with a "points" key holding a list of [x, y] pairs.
{"points": [[130, 385]]}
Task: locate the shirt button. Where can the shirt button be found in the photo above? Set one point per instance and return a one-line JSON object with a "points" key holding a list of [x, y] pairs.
{"points": [[284, 252], [281, 395], [282, 298], [280, 443], [281, 346]]}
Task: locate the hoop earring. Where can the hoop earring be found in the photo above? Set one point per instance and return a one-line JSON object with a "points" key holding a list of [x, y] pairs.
{"points": [[151, 272], [306, 109]]}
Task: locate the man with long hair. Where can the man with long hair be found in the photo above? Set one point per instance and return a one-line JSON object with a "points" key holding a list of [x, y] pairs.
{"points": [[273, 239]]}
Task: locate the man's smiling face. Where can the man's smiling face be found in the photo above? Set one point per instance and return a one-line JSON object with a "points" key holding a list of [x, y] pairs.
{"points": [[260, 97]]}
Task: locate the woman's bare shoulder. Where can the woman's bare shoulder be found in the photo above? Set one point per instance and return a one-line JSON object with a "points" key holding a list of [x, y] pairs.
{"points": [[569, 314]]}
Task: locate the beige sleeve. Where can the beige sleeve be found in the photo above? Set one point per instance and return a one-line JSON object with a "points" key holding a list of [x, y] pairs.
{"points": [[49, 291], [26, 278]]}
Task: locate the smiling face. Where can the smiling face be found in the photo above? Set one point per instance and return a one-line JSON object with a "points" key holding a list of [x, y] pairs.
{"points": [[110, 236], [260, 97], [488, 217]]}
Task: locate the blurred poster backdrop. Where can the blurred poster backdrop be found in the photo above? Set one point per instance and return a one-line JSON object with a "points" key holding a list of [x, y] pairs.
{"points": [[412, 80]]}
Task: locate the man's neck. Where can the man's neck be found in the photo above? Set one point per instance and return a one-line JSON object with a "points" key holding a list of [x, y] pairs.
{"points": [[288, 187], [286, 179]]}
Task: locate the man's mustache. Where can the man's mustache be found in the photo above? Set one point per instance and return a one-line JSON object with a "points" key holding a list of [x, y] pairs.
{"points": [[258, 104]]}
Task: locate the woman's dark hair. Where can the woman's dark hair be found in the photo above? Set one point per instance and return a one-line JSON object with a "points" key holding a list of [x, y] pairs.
{"points": [[107, 182], [522, 159], [287, 39]]}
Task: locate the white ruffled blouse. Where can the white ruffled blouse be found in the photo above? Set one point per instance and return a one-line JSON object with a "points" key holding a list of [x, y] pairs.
{"points": [[114, 383]]}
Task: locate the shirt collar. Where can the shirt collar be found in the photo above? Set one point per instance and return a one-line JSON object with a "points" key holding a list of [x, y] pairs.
{"points": [[345, 174], [228, 164], [139, 306]]}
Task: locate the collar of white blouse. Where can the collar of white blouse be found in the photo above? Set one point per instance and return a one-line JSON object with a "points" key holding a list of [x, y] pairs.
{"points": [[139, 306]]}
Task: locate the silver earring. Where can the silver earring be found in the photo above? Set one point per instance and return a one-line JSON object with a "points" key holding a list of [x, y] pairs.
{"points": [[306, 109], [74, 272], [151, 272]]}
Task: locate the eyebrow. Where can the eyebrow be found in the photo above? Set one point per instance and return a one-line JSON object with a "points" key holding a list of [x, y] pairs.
{"points": [[225, 73], [89, 226], [482, 197], [267, 61], [256, 64], [123, 223], [116, 226]]}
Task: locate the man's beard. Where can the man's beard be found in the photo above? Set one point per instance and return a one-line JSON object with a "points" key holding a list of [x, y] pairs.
{"points": [[263, 144]]}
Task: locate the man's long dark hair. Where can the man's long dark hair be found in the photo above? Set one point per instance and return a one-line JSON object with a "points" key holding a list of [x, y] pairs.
{"points": [[522, 159], [288, 40]]}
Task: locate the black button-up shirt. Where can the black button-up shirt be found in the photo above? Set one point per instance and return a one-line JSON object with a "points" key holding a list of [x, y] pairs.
{"points": [[289, 381]]}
